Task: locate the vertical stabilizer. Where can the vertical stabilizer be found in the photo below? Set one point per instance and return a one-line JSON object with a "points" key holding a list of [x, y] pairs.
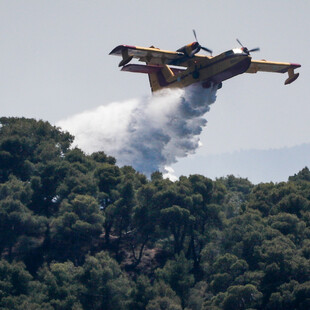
{"points": [[159, 76], [161, 79]]}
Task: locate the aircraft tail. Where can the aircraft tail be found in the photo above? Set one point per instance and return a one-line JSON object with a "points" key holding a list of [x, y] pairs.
{"points": [[159, 76], [154, 79]]}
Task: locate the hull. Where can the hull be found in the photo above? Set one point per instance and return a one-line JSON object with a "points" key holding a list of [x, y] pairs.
{"points": [[214, 71], [232, 71]]}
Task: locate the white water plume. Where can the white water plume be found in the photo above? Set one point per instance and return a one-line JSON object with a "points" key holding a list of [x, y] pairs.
{"points": [[147, 133]]}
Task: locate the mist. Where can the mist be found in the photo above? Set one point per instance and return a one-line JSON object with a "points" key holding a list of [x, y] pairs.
{"points": [[148, 133]]}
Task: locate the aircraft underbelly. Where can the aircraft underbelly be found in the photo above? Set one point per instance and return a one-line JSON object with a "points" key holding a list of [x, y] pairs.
{"points": [[233, 70]]}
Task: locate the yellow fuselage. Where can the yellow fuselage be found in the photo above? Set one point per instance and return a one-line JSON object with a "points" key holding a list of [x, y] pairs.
{"points": [[211, 70]]}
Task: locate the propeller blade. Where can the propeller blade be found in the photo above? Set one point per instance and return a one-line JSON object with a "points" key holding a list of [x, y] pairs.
{"points": [[254, 49], [239, 42], [196, 50], [195, 35], [206, 49]]}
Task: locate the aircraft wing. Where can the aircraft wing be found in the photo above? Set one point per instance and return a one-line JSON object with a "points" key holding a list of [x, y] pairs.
{"points": [[150, 55], [272, 66]]}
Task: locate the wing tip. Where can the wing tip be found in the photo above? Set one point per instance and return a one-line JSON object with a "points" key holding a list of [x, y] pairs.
{"points": [[295, 65], [118, 49]]}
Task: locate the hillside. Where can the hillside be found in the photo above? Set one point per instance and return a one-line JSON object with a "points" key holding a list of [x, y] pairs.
{"points": [[79, 232]]}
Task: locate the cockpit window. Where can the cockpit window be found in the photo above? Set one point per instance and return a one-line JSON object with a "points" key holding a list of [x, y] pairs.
{"points": [[229, 53]]}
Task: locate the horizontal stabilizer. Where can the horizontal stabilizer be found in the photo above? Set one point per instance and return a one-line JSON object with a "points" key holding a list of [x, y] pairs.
{"points": [[148, 68], [141, 68]]}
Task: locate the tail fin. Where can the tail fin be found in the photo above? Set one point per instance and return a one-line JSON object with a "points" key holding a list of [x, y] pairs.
{"points": [[154, 79], [159, 76]]}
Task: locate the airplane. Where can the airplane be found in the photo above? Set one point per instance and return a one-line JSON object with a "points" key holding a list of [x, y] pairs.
{"points": [[185, 66]]}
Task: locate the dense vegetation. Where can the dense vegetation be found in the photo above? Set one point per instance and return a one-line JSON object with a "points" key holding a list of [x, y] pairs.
{"points": [[79, 232]]}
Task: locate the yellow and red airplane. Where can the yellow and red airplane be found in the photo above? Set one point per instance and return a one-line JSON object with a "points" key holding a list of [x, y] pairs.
{"points": [[185, 67]]}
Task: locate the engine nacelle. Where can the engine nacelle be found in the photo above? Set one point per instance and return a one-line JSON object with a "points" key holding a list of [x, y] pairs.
{"points": [[190, 49]]}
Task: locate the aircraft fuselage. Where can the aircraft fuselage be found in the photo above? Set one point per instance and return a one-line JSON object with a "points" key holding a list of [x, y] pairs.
{"points": [[201, 69], [213, 70], [185, 67]]}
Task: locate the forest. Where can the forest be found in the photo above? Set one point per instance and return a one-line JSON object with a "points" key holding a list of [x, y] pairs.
{"points": [[79, 232]]}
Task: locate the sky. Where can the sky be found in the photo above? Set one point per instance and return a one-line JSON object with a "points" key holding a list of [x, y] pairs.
{"points": [[54, 64]]}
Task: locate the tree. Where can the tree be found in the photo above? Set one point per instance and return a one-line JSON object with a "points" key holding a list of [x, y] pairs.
{"points": [[198, 294], [19, 228], [224, 270], [25, 142], [164, 297], [141, 294], [203, 186], [14, 282], [242, 297], [287, 224], [108, 177], [292, 203], [238, 245], [106, 286], [73, 232], [303, 175], [177, 274], [61, 285], [163, 303], [123, 211], [145, 218], [177, 219]]}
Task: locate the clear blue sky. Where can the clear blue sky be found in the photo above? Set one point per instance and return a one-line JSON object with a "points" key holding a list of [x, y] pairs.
{"points": [[54, 63]]}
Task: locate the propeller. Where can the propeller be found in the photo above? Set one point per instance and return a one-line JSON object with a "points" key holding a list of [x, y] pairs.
{"points": [[245, 49], [198, 47]]}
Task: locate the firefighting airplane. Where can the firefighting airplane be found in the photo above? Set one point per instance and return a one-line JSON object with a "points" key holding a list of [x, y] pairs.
{"points": [[185, 67]]}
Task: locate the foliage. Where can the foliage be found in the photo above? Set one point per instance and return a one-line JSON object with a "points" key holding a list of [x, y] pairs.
{"points": [[79, 232]]}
